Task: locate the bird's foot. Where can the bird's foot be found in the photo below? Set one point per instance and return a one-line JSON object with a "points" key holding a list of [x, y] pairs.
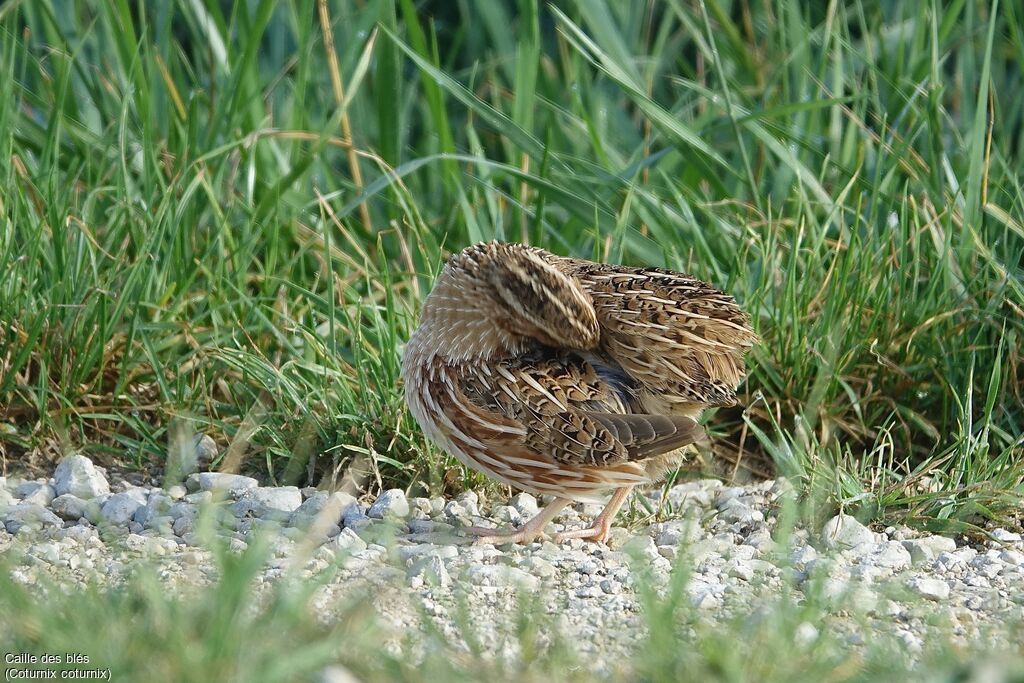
{"points": [[528, 533], [491, 535], [597, 532], [497, 537]]}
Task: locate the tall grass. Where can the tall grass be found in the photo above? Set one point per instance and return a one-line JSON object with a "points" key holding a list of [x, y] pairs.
{"points": [[226, 214]]}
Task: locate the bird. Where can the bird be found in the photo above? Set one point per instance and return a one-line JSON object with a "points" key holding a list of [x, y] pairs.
{"points": [[569, 378]]}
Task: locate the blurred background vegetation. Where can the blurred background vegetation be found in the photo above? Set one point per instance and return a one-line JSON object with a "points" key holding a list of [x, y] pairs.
{"points": [[222, 217]]}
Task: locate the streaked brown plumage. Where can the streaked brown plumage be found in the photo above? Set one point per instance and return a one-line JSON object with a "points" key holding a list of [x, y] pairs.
{"points": [[566, 377]]}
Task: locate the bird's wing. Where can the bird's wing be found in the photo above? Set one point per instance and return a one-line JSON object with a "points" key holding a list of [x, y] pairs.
{"points": [[570, 415], [673, 333], [646, 436]]}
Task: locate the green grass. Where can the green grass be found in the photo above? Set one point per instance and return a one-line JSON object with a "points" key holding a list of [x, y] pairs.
{"points": [[211, 221]]}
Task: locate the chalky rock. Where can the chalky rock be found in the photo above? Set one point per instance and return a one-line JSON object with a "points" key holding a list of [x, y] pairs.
{"points": [[928, 588], [121, 507], [347, 542], [412, 552], [525, 504], [69, 507], [157, 505], [78, 476], [926, 549], [336, 673], [391, 503], [267, 501], [506, 513], [889, 555], [29, 516], [1004, 536], [676, 531], [429, 570], [735, 511], [332, 505], [843, 531], [501, 575], [220, 481], [705, 595], [35, 492], [693, 493], [206, 450]]}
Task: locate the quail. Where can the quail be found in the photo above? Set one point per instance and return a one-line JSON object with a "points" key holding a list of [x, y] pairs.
{"points": [[569, 378]]}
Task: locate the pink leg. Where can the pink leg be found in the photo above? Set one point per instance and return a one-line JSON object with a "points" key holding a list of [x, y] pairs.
{"points": [[525, 534], [598, 531]]}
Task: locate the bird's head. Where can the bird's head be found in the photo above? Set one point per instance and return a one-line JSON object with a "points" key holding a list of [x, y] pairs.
{"points": [[494, 300]]}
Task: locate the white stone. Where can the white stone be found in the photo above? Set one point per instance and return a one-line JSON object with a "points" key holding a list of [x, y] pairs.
{"points": [[741, 569], [354, 517], [327, 510], [267, 501], [677, 531], [182, 509], [539, 567], [430, 570], [735, 511], [929, 588], [911, 642], [283, 498], [642, 546], [157, 505], [204, 497], [68, 507], [525, 504], [760, 540], [1005, 536], [29, 516], [419, 550], [705, 595], [694, 493], [927, 548], [219, 481], [500, 575], [843, 531], [206, 450], [727, 494], [805, 634], [78, 476], [391, 503], [336, 673], [506, 513], [803, 555], [455, 511], [891, 555], [347, 541], [35, 492], [1012, 557], [184, 525], [120, 507]]}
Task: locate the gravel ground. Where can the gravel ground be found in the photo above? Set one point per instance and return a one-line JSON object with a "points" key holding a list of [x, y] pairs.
{"points": [[78, 527]]}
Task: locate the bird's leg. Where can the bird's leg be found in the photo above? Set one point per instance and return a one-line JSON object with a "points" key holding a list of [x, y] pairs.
{"points": [[598, 531], [526, 533]]}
